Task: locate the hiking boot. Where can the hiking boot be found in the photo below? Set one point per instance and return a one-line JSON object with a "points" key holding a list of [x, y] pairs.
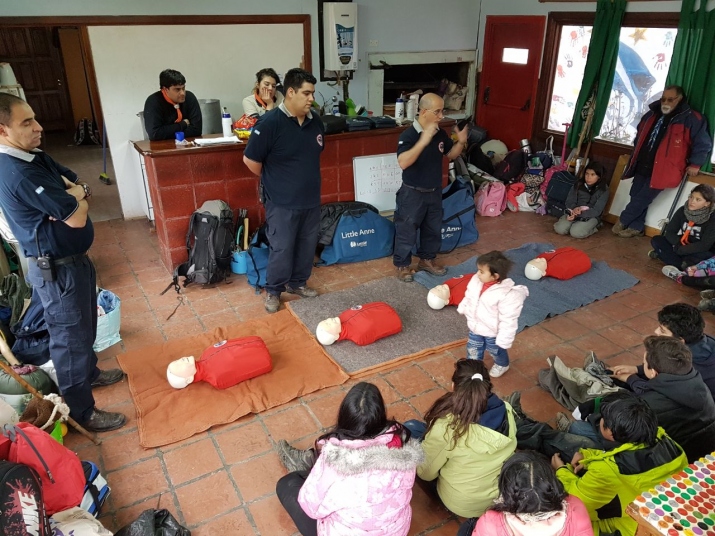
{"points": [[104, 421], [630, 233], [708, 294], [617, 227], [497, 371], [431, 267], [563, 423], [108, 377], [294, 459], [514, 401], [303, 292], [707, 305], [652, 254], [272, 303], [404, 274], [672, 272]]}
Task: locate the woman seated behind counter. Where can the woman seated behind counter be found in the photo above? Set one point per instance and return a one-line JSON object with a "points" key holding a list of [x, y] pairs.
{"points": [[264, 96]]}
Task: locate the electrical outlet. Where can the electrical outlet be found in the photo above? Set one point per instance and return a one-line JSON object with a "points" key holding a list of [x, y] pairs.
{"points": [[373, 42]]}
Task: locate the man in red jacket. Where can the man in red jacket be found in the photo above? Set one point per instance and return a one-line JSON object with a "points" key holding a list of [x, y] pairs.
{"points": [[671, 139]]}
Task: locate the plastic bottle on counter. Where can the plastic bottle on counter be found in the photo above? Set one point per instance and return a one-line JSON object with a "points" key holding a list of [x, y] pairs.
{"points": [[336, 107], [180, 140], [226, 123], [399, 110], [412, 107]]}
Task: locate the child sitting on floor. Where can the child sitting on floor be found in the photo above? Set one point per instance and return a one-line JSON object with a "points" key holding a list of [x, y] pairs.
{"points": [[492, 305], [585, 204], [362, 479], [531, 501], [468, 435]]}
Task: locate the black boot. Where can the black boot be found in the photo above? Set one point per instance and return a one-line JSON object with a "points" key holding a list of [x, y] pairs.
{"points": [[104, 421]]}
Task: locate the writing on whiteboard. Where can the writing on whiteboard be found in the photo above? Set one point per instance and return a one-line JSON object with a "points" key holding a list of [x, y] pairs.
{"points": [[377, 179]]}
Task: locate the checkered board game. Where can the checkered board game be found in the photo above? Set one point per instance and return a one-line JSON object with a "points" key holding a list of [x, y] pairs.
{"points": [[683, 505]]}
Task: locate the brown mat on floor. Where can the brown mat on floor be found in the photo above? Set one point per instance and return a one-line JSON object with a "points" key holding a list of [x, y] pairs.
{"points": [[166, 415]]}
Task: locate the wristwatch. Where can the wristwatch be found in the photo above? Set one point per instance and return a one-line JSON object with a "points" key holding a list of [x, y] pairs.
{"points": [[87, 190]]}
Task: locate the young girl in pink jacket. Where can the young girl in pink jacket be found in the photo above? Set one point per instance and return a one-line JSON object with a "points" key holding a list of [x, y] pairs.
{"points": [[361, 483], [532, 502], [492, 305]]}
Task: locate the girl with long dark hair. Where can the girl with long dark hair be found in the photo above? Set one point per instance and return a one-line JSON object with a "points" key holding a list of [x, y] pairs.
{"points": [[585, 204]]}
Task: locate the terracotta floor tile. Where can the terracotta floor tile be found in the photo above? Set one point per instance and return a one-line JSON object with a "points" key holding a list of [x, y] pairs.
{"points": [[402, 411], [623, 336], [410, 381], [271, 518], [257, 477], [539, 404], [427, 511], [592, 319], [192, 461], [209, 306], [564, 327], [208, 497], [448, 529], [239, 444], [221, 319], [137, 482], [537, 338], [182, 329], [111, 395], [440, 368], [513, 380], [128, 514], [132, 306], [424, 401], [116, 282], [134, 322], [235, 523], [644, 324], [122, 449], [602, 346], [291, 424], [326, 408]]}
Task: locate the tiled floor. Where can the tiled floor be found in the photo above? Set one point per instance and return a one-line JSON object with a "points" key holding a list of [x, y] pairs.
{"points": [[223, 481]]}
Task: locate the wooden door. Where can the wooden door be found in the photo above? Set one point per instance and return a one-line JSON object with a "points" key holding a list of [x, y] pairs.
{"points": [[510, 75], [37, 62]]}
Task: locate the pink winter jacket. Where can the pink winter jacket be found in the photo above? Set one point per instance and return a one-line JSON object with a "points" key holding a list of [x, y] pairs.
{"points": [[362, 487], [577, 523], [496, 312]]}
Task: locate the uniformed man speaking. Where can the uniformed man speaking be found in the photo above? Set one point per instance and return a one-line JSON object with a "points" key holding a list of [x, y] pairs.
{"points": [[46, 208]]}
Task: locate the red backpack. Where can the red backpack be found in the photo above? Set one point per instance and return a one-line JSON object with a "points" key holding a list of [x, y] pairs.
{"points": [[59, 468]]}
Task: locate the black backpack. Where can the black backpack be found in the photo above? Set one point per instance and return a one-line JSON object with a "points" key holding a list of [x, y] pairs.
{"points": [[209, 241], [557, 191], [512, 167], [22, 509]]}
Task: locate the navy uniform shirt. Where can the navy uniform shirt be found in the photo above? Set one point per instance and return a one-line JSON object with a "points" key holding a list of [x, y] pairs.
{"points": [[426, 172], [290, 154], [32, 190]]}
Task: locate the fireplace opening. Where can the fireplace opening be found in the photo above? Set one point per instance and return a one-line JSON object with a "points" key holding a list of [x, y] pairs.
{"points": [[404, 79]]}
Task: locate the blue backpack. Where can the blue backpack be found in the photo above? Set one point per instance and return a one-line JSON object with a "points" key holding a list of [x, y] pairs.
{"points": [[257, 261], [459, 226], [360, 235]]}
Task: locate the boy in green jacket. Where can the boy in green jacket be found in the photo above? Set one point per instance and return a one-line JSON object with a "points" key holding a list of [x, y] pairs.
{"points": [[607, 481]]}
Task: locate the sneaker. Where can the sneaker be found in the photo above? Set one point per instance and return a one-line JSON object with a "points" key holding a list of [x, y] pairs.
{"points": [[431, 267], [514, 400], [294, 459], [707, 305], [708, 294], [630, 233], [404, 274], [303, 292], [108, 377], [672, 272], [617, 227], [497, 370], [563, 423], [272, 303], [652, 254], [104, 421]]}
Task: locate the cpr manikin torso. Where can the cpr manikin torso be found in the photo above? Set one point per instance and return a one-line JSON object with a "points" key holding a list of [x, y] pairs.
{"points": [[362, 324], [450, 293], [562, 263], [223, 364]]}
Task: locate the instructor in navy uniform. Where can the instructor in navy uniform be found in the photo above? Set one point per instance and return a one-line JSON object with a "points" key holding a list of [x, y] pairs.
{"points": [[284, 150], [46, 208], [419, 200]]}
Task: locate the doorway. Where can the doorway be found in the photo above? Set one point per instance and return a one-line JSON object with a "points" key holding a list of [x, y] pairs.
{"points": [[51, 65]]}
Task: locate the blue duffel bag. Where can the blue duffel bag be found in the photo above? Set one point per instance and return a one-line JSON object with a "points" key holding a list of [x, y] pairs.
{"points": [[257, 259], [360, 235], [459, 226]]}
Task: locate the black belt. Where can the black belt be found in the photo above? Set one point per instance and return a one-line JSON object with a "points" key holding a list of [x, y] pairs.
{"points": [[421, 190], [72, 259]]}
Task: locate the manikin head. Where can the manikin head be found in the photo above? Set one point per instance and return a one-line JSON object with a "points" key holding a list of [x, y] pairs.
{"points": [[438, 297], [180, 373], [535, 269], [328, 331]]}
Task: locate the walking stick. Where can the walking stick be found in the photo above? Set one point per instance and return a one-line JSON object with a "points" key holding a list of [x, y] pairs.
{"points": [[7, 354]]}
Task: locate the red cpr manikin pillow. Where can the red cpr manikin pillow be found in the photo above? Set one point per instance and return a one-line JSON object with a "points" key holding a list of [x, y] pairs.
{"points": [[227, 363], [365, 324], [565, 263], [457, 288]]}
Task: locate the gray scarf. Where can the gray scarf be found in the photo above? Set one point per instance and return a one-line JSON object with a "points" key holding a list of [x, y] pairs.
{"points": [[698, 216]]}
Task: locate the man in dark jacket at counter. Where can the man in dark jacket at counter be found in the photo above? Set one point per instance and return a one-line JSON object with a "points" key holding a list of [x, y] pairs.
{"points": [[671, 139], [172, 109]]}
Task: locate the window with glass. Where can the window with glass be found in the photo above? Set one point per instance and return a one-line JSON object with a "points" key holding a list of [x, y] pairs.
{"points": [[643, 60]]}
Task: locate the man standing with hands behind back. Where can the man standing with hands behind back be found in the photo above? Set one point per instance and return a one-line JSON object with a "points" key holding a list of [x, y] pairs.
{"points": [[46, 208], [284, 151], [419, 200]]}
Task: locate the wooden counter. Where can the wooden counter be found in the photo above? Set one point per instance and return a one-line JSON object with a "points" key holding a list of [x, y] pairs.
{"points": [[182, 178]]}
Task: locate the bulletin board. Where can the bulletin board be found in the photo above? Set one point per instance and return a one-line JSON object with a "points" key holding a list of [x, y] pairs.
{"points": [[377, 179]]}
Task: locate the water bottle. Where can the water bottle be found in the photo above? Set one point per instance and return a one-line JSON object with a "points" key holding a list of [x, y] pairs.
{"points": [[399, 110], [412, 107], [336, 107], [226, 123]]}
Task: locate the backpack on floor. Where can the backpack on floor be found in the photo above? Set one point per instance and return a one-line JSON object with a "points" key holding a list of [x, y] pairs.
{"points": [[86, 133], [22, 509], [557, 191], [557, 166], [360, 235], [209, 243], [257, 261], [510, 169], [96, 489], [491, 198]]}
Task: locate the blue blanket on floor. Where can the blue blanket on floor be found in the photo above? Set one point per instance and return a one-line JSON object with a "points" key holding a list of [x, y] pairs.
{"points": [[549, 296]]}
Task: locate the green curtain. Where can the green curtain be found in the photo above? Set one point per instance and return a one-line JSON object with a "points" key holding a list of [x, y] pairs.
{"points": [[692, 66], [600, 68]]}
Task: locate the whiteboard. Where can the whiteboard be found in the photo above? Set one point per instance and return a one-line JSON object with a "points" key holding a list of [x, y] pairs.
{"points": [[377, 179]]}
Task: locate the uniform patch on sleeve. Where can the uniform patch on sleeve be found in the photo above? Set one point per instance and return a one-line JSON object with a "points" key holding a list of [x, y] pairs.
{"points": [[39, 190], [256, 132], [399, 143]]}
